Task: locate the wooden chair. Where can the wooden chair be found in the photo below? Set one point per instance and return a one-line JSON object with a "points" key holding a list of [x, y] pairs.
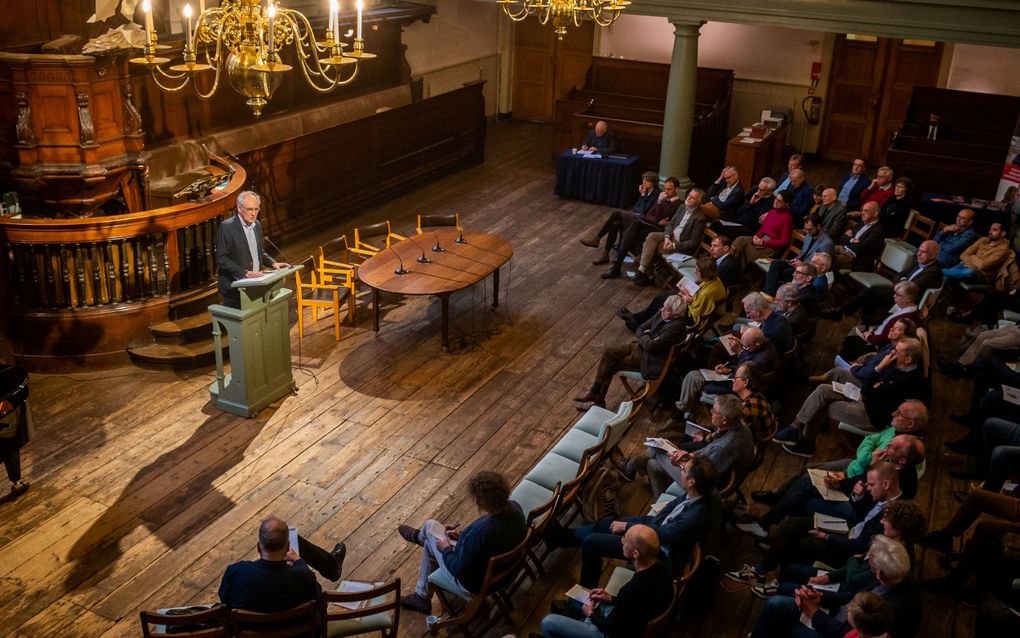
{"points": [[438, 221], [499, 573], [656, 626], [648, 387], [622, 575], [343, 272], [302, 620], [207, 623], [918, 228], [318, 296], [590, 462], [380, 611], [380, 233]]}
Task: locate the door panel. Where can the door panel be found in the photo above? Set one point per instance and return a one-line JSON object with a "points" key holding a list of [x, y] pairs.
{"points": [[545, 69]]}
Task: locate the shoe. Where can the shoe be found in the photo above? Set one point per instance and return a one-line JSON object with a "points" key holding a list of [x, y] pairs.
{"points": [[754, 529], [641, 279], [766, 497], [965, 472], [939, 540], [765, 590], [337, 557], [746, 574], [18, 488], [559, 536], [584, 406], [625, 314], [790, 434], [602, 259], [622, 465], [612, 273], [414, 602], [587, 396], [961, 317], [592, 241], [409, 534], [804, 448]]}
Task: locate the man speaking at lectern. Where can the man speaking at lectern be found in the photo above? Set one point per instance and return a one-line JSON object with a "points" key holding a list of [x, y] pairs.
{"points": [[239, 251]]}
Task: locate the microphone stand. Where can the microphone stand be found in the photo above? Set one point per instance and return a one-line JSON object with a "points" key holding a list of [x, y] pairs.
{"points": [[399, 270], [423, 259], [460, 238], [437, 248]]}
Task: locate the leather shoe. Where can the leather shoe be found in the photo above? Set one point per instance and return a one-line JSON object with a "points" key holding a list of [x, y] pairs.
{"points": [[409, 534], [642, 279], [414, 602], [612, 273], [584, 406], [953, 370], [591, 241], [337, 557], [587, 396], [939, 540], [625, 314], [622, 465], [18, 488]]}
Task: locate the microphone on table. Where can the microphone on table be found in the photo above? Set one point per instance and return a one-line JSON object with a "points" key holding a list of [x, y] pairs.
{"points": [[437, 248], [460, 238], [399, 269], [423, 259], [276, 248]]}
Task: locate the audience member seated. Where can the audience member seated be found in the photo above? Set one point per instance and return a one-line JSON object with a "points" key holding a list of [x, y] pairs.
{"points": [[648, 353], [983, 258], [653, 219], [729, 446], [644, 597], [463, 555], [750, 214], [926, 273], [758, 415], [896, 376], [711, 292], [987, 311], [801, 615], [860, 247], [880, 189], [998, 455], [788, 303], [725, 195], [896, 209], [680, 525], [852, 184], [800, 195], [599, 140], [980, 501], [772, 236], [618, 220], [280, 579], [751, 347], [956, 238], [792, 164], [720, 249], [815, 241], [905, 295], [823, 264], [777, 329], [681, 235], [832, 214]]}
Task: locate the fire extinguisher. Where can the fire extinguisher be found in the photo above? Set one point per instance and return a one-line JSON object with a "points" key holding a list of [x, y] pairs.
{"points": [[812, 104]]}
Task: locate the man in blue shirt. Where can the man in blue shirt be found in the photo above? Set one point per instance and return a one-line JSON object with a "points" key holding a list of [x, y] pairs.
{"points": [[852, 183], [956, 238], [815, 241]]}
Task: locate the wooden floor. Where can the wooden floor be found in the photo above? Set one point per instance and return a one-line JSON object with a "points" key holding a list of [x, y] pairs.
{"points": [[142, 492]]}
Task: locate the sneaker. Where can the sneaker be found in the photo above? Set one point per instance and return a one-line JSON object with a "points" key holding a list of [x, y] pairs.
{"points": [[754, 529], [804, 448], [789, 434], [746, 574], [765, 590], [414, 602]]}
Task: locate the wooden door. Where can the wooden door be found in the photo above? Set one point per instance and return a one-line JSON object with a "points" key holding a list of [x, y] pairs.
{"points": [[872, 79], [546, 68]]}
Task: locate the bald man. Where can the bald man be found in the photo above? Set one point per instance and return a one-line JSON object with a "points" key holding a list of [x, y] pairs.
{"points": [[646, 595], [832, 212], [859, 247], [600, 140]]}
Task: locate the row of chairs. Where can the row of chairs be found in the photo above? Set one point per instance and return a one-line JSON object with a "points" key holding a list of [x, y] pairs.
{"points": [[377, 610], [331, 279]]}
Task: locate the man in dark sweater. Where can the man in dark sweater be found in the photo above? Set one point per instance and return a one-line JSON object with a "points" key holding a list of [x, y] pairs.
{"points": [[646, 595], [496, 532]]}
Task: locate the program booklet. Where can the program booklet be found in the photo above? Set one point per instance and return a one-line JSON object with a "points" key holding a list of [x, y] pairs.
{"points": [[848, 390], [355, 587], [831, 524], [661, 444], [688, 285], [580, 594]]}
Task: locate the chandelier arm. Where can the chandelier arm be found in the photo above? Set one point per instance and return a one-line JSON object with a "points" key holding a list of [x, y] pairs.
{"points": [[167, 87], [216, 78], [517, 16], [169, 76]]}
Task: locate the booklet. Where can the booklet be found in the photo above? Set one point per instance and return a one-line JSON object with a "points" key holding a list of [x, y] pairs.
{"points": [[580, 594], [1011, 394], [831, 524], [693, 428], [848, 390], [688, 285], [435, 529], [831, 587], [731, 344], [818, 480], [354, 587], [712, 375], [661, 444]]}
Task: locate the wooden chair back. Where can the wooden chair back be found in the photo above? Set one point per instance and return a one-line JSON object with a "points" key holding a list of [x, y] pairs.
{"points": [[657, 625], [331, 610], [302, 620], [539, 519], [928, 301], [380, 233], [919, 228], [338, 269], [649, 387], [706, 241], [438, 221], [796, 245], [208, 623], [591, 459], [317, 296]]}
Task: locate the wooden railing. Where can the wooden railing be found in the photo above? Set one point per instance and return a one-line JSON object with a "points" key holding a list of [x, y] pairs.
{"points": [[100, 261]]}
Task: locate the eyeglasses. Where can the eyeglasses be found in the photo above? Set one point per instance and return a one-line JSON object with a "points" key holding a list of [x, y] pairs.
{"points": [[801, 272]]}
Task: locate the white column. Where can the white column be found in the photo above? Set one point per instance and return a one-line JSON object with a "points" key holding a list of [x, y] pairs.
{"points": [[679, 116]]}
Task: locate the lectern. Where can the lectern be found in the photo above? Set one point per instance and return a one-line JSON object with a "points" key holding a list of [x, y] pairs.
{"points": [[259, 336]]}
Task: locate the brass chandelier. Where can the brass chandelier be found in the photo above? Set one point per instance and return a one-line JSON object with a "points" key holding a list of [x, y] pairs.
{"points": [[243, 38], [564, 12]]}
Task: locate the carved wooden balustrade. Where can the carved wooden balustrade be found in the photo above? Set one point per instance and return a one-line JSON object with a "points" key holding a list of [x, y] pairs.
{"points": [[73, 274]]}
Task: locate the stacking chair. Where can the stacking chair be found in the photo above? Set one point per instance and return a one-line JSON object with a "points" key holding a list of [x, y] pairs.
{"points": [[302, 620], [379, 611], [918, 228], [318, 296], [460, 612], [438, 221], [539, 520], [381, 234], [897, 258], [649, 387], [208, 623], [342, 271]]}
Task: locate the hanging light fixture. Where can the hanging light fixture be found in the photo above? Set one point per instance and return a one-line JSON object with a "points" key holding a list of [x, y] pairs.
{"points": [[243, 39], [564, 12]]}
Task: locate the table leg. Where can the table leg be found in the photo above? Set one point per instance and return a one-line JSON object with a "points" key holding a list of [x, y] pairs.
{"points": [[375, 309], [444, 303], [495, 288]]}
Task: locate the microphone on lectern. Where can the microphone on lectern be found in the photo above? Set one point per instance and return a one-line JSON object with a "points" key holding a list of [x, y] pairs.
{"points": [[460, 238], [437, 248], [399, 269], [423, 259]]}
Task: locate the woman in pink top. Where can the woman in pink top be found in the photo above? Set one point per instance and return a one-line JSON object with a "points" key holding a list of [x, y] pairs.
{"points": [[772, 238]]}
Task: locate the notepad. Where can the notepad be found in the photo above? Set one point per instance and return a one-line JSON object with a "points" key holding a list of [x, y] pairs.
{"points": [[580, 594], [661, 444], [712, 375], [831, 524], [818, 480]]}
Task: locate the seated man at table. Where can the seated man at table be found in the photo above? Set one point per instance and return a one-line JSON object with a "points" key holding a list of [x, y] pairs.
{"points": [[956, 238], [600, 140], [618, 220], [983, 258], [655, 218], [725, 195], [681, 235]]}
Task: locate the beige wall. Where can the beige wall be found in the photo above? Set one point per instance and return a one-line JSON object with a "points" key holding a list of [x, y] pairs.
{"points": [[985, 69]]}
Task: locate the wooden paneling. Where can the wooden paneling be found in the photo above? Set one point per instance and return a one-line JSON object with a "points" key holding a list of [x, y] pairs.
{"points": [[546, 68]]}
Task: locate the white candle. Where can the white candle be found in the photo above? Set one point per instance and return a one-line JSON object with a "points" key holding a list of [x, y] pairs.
{"points": [[147, 8], [201, 7], [360, 6], [187, 16], [271, 10], [332, 17]]}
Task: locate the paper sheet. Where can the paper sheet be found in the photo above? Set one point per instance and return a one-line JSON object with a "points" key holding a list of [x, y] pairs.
{"points": [[818, 480], [831, 524], [712, 375], [693, 428], [688, 285], [580, 594], [292, 535], [848, 390], [354, 587], [661, 444]]}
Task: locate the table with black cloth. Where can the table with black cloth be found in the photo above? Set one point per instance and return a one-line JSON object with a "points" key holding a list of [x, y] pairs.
{"points": [[944, 208], [604, 180]]}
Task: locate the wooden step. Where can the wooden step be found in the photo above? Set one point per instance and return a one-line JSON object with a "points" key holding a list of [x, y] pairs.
{"points": [[191, 329], [188, 355], [195, 301]]}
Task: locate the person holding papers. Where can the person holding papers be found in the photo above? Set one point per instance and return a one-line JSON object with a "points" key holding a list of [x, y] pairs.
{"points": [[463, 555], [896, 376], [709, 292], [681, 235], [646, 595], [599, 140], [239, 253]]}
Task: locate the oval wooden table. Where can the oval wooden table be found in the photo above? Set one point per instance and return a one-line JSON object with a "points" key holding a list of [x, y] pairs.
{"points": [[455, 261]]}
